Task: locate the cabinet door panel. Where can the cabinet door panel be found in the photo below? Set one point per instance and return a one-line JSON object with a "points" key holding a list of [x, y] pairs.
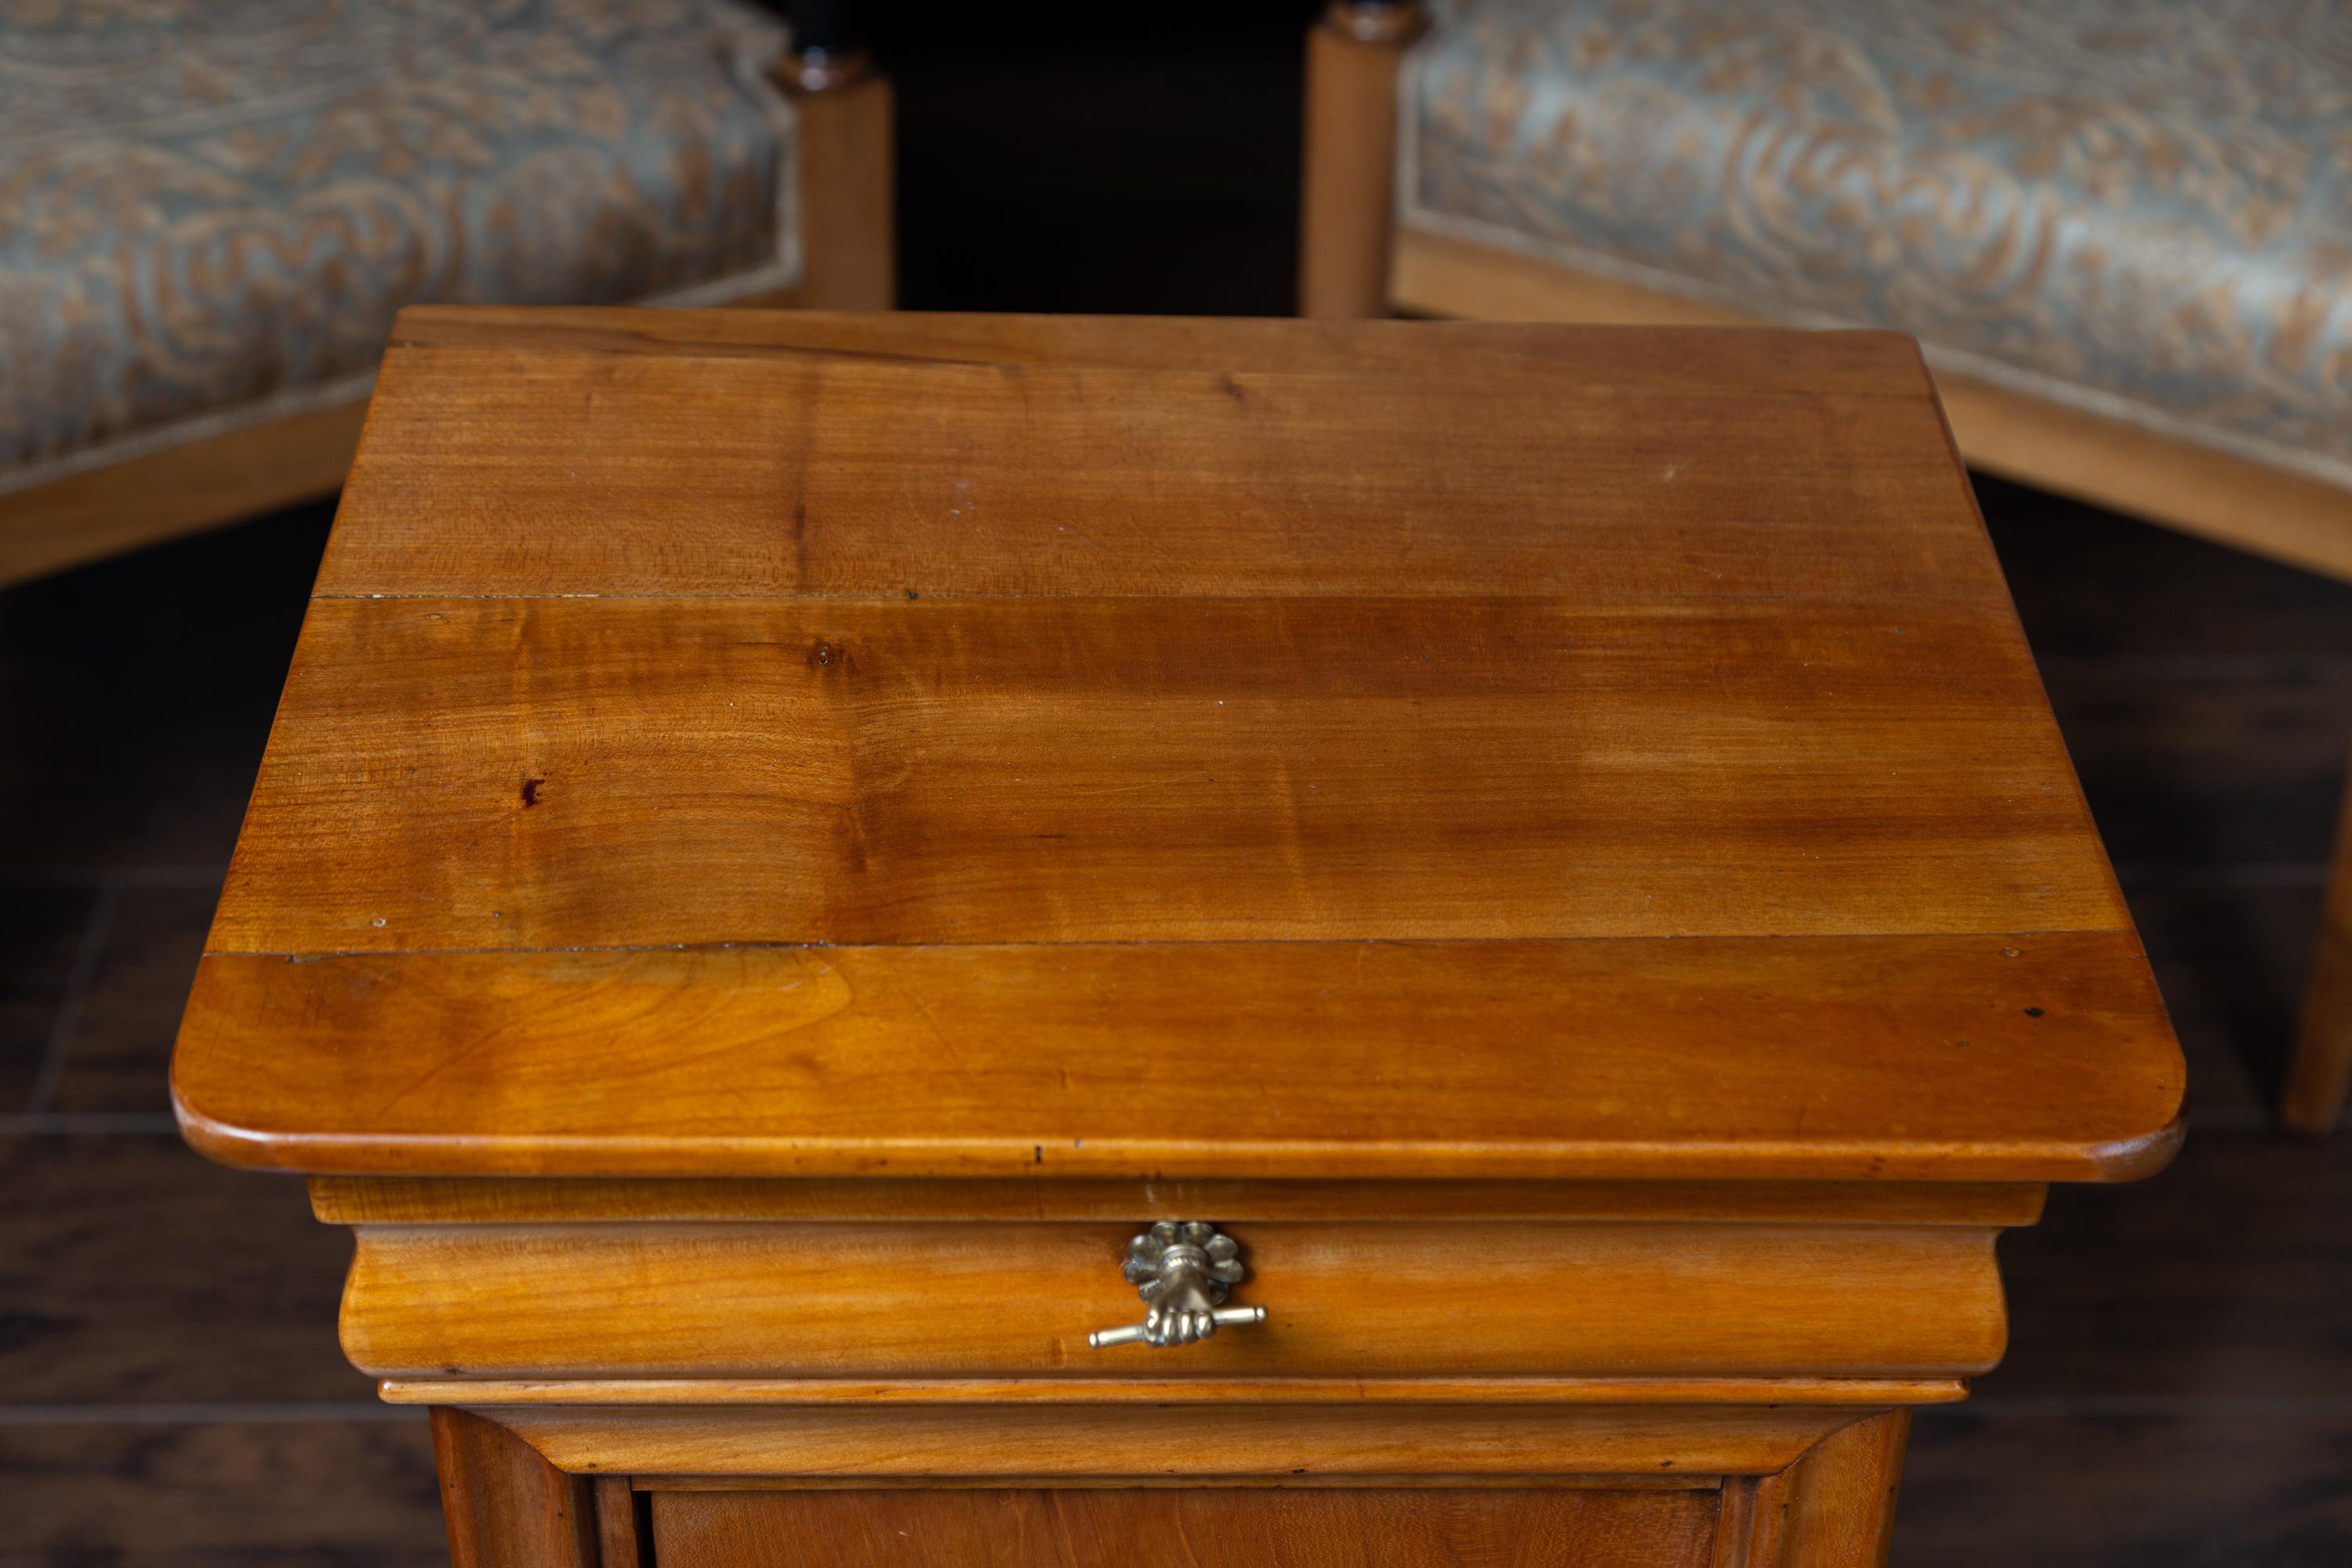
{"points": [[1187, 1528]]}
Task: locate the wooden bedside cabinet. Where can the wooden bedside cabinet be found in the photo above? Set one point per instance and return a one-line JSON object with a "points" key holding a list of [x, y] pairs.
{"points": [[1496, 912]]}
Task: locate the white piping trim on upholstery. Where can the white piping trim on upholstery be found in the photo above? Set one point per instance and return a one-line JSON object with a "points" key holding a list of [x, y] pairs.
{"points": [[2075, 396], [777, 275], [756, 75]]}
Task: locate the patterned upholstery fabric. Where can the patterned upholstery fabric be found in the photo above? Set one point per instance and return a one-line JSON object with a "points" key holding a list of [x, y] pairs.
{"points": [[210, 209], [2139, 207]]}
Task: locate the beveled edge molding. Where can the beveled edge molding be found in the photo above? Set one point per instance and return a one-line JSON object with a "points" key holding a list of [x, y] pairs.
{"points": [[676, 1393], [1663, 1481], [1999, 1161], [1299, 1445], [243, 1097], [501, 1200]]}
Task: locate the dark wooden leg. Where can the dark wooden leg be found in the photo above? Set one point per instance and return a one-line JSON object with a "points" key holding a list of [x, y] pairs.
{"points": [[2322, 1069], [1348, 208], [848, 233], [505, 1506]]}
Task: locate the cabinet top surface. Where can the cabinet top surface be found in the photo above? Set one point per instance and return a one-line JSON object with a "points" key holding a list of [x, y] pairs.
{"points": [[766, 743]]}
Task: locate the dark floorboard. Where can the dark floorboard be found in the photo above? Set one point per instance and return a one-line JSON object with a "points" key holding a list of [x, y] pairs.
{"points": [[2178, 1390], [2232, 960], [226, 1489], [41, 932], [134, 1272], [2093, 1489], [2222, 1278]]}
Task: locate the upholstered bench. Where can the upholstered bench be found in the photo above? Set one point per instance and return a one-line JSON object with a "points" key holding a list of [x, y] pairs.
{"points": [[210, 213], [2121, 229]]}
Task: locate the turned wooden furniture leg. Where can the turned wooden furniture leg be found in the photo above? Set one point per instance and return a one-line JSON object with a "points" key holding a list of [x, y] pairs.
{"points": [[848, 231], [504, 1505], [1348, 206], [2322, 1069]]}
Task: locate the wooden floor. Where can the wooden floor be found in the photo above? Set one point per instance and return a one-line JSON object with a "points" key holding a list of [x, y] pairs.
{"points": [[2178, 1389]]}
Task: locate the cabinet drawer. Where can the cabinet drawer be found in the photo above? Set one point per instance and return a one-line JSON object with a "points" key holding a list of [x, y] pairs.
{"points": [[1342, 1298], [1558, 1527]]}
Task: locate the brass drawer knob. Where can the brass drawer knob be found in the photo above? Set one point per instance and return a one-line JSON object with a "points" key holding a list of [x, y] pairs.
{"points": [[1182, 1269]]}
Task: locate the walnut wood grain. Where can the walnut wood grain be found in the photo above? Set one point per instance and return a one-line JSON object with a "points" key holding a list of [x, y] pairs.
{"points": [[486, 470], [606, 1391], [1284, 1445], [1657, 1059], [1837, 1503], [1194, 1528], [1121, 770], [1736, 1544], [624, 1525], [827, 746], [788, 1300], [506, 1506], [1468, 354], [393, 1200], [1665, 1480]]}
